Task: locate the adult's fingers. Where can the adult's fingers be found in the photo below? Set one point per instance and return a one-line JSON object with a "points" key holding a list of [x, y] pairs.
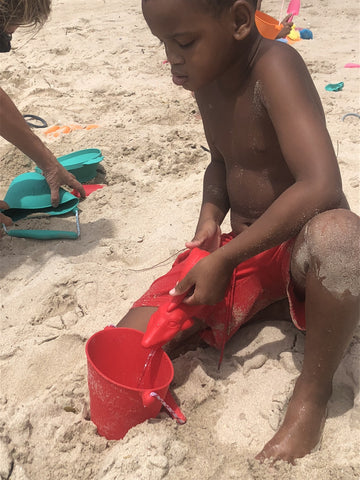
{"points": [[55, 196], [77, 186], [5, 219]]}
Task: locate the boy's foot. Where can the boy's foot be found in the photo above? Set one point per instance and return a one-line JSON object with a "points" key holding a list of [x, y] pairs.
{"points": [[300, 432]]}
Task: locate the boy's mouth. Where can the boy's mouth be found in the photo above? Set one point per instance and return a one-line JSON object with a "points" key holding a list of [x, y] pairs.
{"points": [[179, 80]]}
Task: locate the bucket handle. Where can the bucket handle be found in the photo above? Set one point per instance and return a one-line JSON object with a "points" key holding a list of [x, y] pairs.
{"points": [[169, 403], [46, 234]]}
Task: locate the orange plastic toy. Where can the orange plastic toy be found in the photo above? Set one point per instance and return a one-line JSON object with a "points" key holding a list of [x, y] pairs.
{"points": [[268, 26], [57, 130]]}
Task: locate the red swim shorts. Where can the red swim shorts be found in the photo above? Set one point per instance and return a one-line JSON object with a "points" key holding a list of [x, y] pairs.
{"points": [[256, 283]]}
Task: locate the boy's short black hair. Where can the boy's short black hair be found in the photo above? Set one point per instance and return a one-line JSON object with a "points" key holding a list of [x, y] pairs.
{"points": [[219, 5]]}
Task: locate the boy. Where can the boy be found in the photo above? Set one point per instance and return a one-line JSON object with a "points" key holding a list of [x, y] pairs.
{"points": [[276, 172], [13, 127]]}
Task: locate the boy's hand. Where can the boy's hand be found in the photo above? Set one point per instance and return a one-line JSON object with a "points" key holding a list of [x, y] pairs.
{"points": [[56, 176], [207, 237], [207, 280]]}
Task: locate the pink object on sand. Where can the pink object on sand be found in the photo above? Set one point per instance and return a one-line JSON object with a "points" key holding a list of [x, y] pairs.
{"points": [[293, 8], [352, 65], [88, 189]]}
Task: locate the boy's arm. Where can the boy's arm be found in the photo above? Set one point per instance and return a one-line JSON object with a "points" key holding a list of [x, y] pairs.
{"points": [[16, 131], [215, 204]]}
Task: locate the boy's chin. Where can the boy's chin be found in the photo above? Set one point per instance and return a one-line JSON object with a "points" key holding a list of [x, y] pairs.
{"points": [[191, 86]]}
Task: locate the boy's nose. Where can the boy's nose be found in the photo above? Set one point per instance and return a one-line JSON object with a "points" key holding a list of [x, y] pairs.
{"points": [[173, 57]]}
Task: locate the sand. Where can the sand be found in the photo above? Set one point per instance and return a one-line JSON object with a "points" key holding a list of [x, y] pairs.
{"points": [[97, 63]]}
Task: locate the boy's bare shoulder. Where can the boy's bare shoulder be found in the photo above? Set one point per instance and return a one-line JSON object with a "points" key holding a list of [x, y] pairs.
{"points": [[275, 57], [283, 75]]}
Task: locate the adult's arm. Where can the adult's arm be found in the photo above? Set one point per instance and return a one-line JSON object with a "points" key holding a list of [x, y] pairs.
{"points": [[15, 130]]}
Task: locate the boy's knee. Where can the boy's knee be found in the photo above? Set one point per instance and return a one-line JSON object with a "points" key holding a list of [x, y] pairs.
{"points": [[328, 246], [333, 231]]}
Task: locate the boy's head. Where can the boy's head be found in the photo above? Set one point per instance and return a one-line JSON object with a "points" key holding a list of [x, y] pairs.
{"points": [[202, 38], [16, 13]]}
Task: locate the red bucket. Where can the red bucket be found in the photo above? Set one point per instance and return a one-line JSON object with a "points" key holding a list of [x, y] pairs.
{"points": [[121, 395]]}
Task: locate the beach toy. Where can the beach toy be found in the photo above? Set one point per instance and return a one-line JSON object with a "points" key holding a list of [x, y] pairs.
{"points": [[82, 164], [41, 123], [294, 34], [88, 189], [173, 316], [350, 115], [29, 194], [306, 34], [352, 65], [268, 27], [125, 386], [334, 87], [57, 130], [293, 9]]}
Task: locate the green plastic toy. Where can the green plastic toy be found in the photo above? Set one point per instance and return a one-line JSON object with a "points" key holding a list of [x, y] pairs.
{"points": [[334, 87], [82, 164], [29, 194]]}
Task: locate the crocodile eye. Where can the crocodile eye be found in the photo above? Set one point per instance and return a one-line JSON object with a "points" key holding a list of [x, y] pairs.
{"points": [[172, 324]]}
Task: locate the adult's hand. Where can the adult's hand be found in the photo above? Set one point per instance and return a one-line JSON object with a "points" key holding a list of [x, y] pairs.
{"points": [[57, 175], [287, 26], [3, 218], [16, 131]]}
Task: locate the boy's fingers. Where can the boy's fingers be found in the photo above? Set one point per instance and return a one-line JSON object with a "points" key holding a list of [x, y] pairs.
{"points": [[197, 241], [192, 244], [174, 292], [181, 287]]}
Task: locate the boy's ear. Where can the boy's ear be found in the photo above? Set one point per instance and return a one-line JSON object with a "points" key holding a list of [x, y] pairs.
{"points": [[243, 19]]}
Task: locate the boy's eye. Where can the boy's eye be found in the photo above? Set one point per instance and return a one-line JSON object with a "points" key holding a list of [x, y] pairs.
{"points": [[186, 44]]}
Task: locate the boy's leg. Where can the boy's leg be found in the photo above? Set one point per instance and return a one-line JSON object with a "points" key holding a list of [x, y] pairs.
{"points": [[137, 318], [325, 268]]}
